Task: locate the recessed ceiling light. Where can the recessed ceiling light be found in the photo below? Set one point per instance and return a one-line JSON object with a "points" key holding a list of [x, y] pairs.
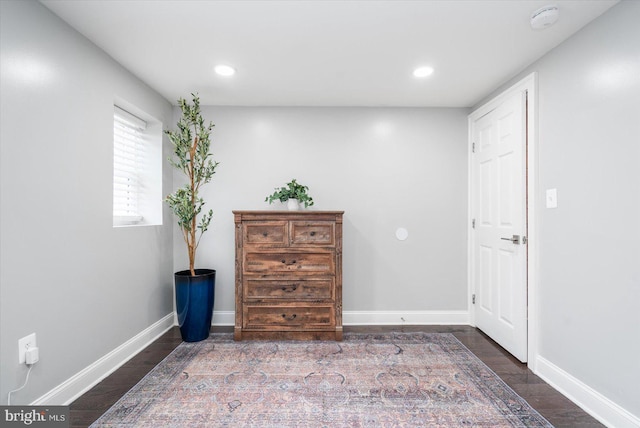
{"points": [[423, 71], [224, 70]]}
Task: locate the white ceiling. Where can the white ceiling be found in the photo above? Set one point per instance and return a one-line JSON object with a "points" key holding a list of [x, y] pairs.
{"points": [[324, 53]]}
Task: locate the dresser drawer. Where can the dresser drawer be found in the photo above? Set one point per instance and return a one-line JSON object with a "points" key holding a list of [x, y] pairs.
{"points": [[289, 261], [312, 233], [312, 289], [274, 232], [294, 316]]}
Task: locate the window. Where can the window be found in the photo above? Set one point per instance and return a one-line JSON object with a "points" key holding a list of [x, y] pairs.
{"points": [[137, 169], [128, 143]]}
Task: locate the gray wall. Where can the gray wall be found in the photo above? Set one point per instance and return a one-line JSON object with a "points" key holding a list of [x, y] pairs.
{"points": [[385, 167], [589, 149], [85, 288], [66, 274]]}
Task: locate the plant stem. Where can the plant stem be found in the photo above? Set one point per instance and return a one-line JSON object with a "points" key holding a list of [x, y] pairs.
{"points": [[192, 243]]}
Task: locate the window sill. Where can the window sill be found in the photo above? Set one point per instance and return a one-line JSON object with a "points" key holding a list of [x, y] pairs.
{"points": [[128, 220]]}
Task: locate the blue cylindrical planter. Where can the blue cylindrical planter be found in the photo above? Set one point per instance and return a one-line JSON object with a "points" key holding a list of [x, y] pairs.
{"points": [[194, 303]]}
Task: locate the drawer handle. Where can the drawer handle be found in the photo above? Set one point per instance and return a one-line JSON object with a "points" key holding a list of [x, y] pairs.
{"points": [[289, 318], [290, 289], [265, 234], [313, 233]]}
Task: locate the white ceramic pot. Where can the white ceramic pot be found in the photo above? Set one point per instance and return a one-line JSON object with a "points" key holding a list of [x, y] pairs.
{"points": [[293, 205]]}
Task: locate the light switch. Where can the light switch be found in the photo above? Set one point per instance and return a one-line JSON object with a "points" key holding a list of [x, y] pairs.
{"points": [[552, 198]]}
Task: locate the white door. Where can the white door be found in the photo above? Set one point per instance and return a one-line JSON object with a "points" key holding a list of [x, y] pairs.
{"points": [[499, 227]]}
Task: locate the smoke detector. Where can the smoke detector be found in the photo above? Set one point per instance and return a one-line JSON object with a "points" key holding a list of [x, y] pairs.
{"points": [[544, 17]]}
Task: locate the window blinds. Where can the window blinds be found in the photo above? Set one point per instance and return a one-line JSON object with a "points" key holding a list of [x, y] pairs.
{"points": [[128, 151]]}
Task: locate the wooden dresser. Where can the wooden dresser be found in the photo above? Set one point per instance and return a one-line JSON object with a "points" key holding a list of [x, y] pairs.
{"points": [[288, 275]]}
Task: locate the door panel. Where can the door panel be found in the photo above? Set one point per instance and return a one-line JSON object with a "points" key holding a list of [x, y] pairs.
{"points": [[486, 192], [486, 278], [498, 170], [505, 268]]}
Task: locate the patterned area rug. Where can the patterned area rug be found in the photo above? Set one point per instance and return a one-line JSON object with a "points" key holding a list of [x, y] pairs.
{"points": [[385, 380]]}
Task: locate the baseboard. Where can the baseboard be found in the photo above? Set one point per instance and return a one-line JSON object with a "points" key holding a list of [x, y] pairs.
{"points": [[591, 401], [405, 318], [226, 318], [81, 382], [223, 318]]}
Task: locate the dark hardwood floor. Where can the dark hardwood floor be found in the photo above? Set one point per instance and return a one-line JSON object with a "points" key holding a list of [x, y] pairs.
{"points": [[558, 410]]}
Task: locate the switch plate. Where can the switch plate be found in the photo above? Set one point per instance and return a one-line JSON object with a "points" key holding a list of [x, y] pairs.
{"points": [[24, 344], [552, 198]]}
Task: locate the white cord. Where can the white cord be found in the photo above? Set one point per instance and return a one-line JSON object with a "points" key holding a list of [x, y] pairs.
{"points": [[23, 385]]}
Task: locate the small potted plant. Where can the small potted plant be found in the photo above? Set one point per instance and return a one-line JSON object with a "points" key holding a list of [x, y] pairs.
{"points": [[294, 194], [194, 287]]}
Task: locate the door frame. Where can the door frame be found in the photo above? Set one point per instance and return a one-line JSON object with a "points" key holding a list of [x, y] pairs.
{"points": [[528, 84]]}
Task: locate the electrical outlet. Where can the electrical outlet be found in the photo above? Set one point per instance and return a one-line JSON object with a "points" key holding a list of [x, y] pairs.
{"points": [[24, 344]]}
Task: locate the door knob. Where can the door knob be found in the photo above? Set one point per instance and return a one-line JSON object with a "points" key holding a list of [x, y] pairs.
{"points": [[516, 239]]}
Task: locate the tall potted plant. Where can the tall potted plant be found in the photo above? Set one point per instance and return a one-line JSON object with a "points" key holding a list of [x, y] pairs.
{"points": [[195, 288]]}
